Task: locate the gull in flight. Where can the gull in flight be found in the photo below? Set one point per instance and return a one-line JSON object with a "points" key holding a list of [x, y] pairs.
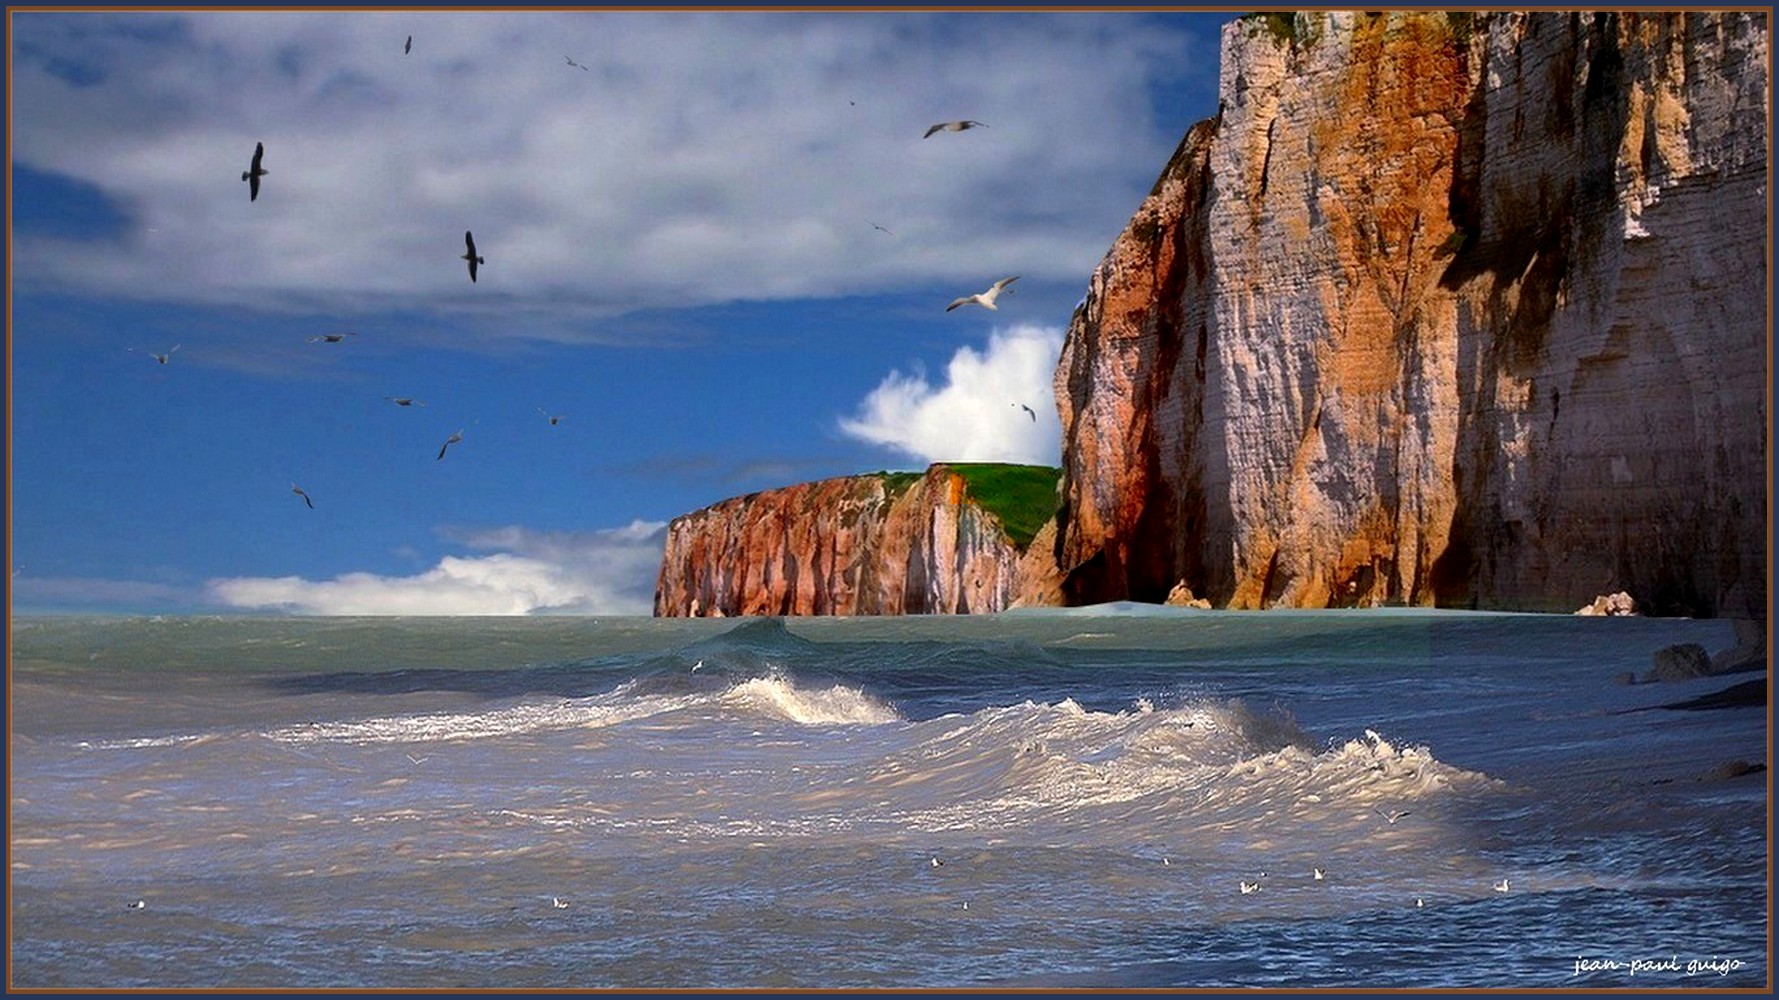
{"points": [[404, 401], [1029, 411], [1250, 887], [253, 175], [879, 228], [470, 254], [162, 358], [1501, 886], [1319, 873], [408, 46], [984, 299], [140, 904], [952, 127], [558, 902], [576, 65], [937, 863], [1392, 816], [416, 761], [332, 338], [298, 490], [453, 439], [554, 420]]}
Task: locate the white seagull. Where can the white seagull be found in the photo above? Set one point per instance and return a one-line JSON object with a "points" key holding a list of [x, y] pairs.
{"points": [[953, 127], [162, 358], [140, 904], [453, 439], [1318, 873], [1392, 816], [558, 902], [937, 863], [1501, 886], [1250, 887], [255, 172], [984, 299]]}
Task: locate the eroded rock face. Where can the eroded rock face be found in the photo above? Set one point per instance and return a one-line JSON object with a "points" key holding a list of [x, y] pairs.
{"points": [[1443, 310], [858, 545]]}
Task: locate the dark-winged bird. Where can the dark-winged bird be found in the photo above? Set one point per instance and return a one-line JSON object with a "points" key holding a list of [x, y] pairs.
{"points": [[1029, 412], [162, 358], [404, 401], [253, 175], [984, 299], [577, 65], [408, 46], [298, 490], [332, 338], [453, 439], [952, 127], [554, 419], [470, 254]]}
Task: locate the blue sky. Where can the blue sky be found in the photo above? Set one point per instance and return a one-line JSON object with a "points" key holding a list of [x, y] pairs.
{"points": [[683, 262]]}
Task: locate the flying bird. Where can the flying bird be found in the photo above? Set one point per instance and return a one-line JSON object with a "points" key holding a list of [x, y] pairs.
{"points": [[470, 254], [404, 401], [332, 338], [576, 65], [252, 176], [1029, 411], [553, 419], [879, 228], [1319, 873], [137, 905], [558, 902], [408, 46], [298, 490], [952, 127], [936, 863], [453, 439], [162, 358], [1392, 816], [984, 299], [1250, 887]]}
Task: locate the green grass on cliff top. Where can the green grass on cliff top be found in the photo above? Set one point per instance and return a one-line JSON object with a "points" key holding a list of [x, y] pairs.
{"points": [[1022, 496]]}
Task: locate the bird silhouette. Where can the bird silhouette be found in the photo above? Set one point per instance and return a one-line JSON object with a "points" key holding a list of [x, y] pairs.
{"points": [[1392, 816], [298, 490], [576, 65], [879, 228], [1029, 412], [253, 174], [984, 299], [554, 419], [470, 254], [332, 338], [404, 401], [408, 46], [453, 439], [953, 127]]}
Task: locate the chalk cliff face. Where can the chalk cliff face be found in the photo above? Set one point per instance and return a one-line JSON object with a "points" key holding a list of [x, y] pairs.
{"points": [[1444, 310], [860, 545]]}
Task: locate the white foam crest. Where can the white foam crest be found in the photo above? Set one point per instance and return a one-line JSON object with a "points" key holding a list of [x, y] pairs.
{"points": [[837, 705], [571, 713]]}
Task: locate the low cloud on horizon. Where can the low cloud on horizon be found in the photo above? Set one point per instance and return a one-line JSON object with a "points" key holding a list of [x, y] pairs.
{"points": [[610, 572]]}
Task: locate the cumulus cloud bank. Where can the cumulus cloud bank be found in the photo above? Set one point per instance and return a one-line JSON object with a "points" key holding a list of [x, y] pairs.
{"points": [[602, 572], [702, 157], [976, 414]]}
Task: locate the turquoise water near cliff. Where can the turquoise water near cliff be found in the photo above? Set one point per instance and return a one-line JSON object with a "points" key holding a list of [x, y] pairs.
{"points": [[512, 803]]}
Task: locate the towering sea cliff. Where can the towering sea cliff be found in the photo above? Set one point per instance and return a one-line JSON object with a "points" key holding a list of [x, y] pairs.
{"points": [[1440, 309]]}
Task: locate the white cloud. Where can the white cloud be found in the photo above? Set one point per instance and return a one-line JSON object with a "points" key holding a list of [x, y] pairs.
{"points": [[703, 157], [976, 415], [602, 572]]}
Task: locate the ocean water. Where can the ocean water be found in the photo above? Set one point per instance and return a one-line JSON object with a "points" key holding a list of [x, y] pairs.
{"points": [[1025, 800]]}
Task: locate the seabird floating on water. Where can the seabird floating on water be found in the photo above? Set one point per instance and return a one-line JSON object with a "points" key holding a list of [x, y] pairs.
{"points": [[1250, 887], [558, 902], [984, 299], [1318, 874], [140, 904], [453, 439], [252, 175], [1501, 886], [470, 254], [298, 490], [937, 863], [953, 127]]}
